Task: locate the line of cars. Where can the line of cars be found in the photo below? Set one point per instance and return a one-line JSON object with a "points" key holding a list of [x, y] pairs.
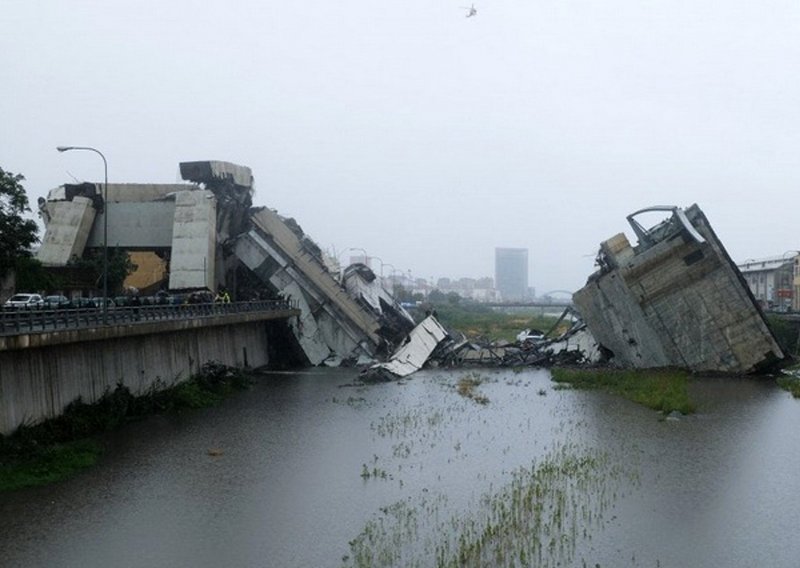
{"points": [[26, 301], [53, 302]]}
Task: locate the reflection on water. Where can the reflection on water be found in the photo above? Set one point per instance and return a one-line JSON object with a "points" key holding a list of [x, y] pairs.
{"points": [[412, 472]]}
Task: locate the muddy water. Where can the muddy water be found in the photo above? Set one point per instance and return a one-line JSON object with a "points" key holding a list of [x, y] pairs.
{"points": [[403, 471]]}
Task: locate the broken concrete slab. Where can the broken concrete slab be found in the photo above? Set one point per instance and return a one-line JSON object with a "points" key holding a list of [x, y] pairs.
{"points": [[68, 228], [364, 286], [412, 355], [676, 299]]}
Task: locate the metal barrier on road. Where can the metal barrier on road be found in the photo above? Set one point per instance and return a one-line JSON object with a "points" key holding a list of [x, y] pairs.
{"points": [[15, 322]]}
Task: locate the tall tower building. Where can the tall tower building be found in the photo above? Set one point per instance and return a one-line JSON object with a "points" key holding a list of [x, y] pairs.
{"points": [[511, 273]]}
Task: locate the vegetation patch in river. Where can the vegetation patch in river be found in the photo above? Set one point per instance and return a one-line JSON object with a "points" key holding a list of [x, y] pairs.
{"points": [[408, 423], [660, 389], [790, 384], [466, 388], [538, 519], [58, 448]]}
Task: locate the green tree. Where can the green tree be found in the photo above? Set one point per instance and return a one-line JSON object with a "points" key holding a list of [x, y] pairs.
{"points": [[17, 234], [437, 297], [31, 275], [401, 294], [119, 267]]}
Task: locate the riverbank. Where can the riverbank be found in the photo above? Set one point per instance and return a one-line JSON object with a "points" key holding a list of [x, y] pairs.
{"points": [[61, 447]]}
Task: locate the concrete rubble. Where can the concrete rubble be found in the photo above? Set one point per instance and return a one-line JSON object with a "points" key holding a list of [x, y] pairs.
{"points": [[412, 355], [572, 346], [363, 285]]}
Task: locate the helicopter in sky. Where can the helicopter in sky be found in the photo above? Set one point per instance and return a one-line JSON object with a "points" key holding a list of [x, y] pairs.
{"points": [[471, 11]]}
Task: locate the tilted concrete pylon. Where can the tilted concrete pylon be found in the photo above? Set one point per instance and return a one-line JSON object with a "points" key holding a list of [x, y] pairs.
{"points": [[675, 300]]}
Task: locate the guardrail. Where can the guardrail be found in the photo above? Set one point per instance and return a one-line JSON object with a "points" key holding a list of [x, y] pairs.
{"points": [[15, 322]]}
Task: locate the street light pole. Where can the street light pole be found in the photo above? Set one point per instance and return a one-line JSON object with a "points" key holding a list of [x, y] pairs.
{"points": [[105, 222], [366, 256], [391, 280], [386, 264], [379, 259]]}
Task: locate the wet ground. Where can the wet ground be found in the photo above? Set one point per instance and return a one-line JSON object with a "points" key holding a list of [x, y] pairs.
{"points": [[302, 471]]}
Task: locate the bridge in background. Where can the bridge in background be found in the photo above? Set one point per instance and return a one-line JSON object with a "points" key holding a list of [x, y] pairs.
{"points": [[528, 304]]}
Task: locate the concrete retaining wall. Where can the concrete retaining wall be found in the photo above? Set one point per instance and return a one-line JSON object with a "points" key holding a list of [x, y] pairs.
{"points": [[38, 383]]}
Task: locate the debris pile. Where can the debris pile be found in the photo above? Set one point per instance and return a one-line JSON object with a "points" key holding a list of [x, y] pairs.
{"points": [[676, 299], [412, 354], [429, 344], [575, 346]]}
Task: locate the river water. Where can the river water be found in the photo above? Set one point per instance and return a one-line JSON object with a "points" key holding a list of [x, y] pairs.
{"points": [[304, 470]]}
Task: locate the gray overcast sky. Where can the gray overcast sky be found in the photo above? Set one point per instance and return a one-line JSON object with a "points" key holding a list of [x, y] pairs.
{"points": [[422, 136]]}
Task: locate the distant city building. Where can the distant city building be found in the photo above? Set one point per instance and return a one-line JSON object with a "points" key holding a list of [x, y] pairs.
{"points": [[476, 289], [772, 281], [511, 273]]}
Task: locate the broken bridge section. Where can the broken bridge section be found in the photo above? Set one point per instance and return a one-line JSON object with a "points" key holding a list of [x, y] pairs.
{"points": [[675, 300], [209, 236]]}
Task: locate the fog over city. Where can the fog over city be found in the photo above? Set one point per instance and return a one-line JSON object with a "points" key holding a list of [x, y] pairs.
{"points": [[421, 135]]}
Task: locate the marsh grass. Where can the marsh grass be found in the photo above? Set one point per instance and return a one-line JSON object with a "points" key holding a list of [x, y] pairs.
{"points": [[466, 388], [58, 448], [790, 384], [660, 389], [538, 519], [50, 464]]}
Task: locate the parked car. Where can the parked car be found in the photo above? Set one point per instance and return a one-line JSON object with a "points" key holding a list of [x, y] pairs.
{"points": [[92, 303], [98, 302], [23, 302], [83, 303], [56, 302], [200, 297], [177, 299]]}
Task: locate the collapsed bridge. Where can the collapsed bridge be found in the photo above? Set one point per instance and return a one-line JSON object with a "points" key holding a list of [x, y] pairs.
{"points": [[206, 235]]}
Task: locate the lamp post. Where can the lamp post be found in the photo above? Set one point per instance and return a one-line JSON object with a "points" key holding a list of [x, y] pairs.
{"points": [[105, 221], [366, 256], [391, 280], [386, 264], [379, 259]]}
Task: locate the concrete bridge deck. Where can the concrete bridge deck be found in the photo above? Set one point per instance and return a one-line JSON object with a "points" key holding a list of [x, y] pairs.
{"points": [[42, 370], [40, 328]]}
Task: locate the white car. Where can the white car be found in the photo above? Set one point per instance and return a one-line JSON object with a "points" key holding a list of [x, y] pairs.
{"points": [[23, 301], [531, 335]]}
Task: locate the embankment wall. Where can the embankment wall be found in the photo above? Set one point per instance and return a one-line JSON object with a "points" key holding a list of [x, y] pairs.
{"points": [[39, 382]]}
